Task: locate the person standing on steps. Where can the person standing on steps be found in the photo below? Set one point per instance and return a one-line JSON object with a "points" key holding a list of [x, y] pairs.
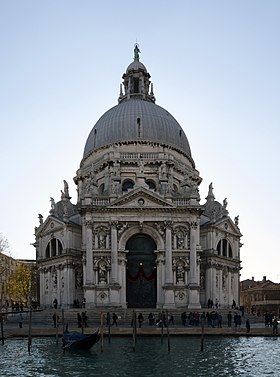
{"points": [[248, 326], [140, 319], [79, 320], [115, 317], [229, 318]]}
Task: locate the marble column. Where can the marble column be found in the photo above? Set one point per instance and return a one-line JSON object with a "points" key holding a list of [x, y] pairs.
{"points": [[194, 300], [50, 288], [193, 257], [168, 254], [169, 300], [114, 253], [89, 256], [115, 286]]}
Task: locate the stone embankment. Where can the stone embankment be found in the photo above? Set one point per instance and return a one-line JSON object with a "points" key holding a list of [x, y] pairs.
{"points": [[42, 324]]}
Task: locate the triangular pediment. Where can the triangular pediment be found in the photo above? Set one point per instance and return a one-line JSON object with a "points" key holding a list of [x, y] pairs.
{"points": [[141, 198], [50, 225], [226, 224]]}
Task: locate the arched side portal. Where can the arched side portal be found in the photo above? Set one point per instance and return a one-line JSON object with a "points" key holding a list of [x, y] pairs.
{"points": [[141, 272]]}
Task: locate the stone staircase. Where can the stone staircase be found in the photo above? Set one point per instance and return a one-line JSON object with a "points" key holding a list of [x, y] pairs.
{"points": [[43, 318]]}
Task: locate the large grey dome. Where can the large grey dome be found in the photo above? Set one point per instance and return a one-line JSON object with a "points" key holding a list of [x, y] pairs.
{"points": [[137, 120]]}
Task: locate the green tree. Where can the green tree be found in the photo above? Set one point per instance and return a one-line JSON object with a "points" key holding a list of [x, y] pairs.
{"points": [[20, 284]]}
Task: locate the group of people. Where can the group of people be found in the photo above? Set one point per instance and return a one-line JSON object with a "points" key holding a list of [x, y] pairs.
{"points": [[271, 321], [111, 321], [82, 319], [161, 320], [211, 319], [17, 306]]}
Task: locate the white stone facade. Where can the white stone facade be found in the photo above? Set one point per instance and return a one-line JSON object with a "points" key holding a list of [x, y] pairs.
{"points": [[138, 235]]}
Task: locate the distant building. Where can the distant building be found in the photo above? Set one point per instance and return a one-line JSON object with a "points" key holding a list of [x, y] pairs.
{"points": [[138, 235], [259, 297]]}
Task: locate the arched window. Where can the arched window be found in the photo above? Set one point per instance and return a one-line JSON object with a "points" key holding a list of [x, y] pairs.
{"points": [[48, 251], [54, 248], [229, 251], [219, 248], [224, 248], [59, 248], [101, 189], [128, 184]]}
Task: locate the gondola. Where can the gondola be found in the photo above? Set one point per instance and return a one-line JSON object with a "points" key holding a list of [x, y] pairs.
{"points": [[74, 340]]}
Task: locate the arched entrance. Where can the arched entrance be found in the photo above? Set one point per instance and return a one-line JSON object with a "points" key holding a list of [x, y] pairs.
{"points": [[141, 272]]}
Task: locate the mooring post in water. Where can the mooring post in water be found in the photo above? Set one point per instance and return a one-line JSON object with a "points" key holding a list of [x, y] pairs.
{"points": [[2, 328], [101, 332], [29, 326], [63, 328], [161, 324], [134, 330], [202, 332], [108, 320], [168, 335], [56, 327]]}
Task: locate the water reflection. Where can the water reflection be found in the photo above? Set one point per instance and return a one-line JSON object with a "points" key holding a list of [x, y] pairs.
{"points": [[221, 357]]}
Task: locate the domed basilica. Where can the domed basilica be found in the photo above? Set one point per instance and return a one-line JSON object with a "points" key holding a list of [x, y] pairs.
{"points": [[138, 236]]}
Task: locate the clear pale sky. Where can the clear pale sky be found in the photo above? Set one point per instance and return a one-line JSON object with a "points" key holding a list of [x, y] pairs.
{"points": [[215, 68]]}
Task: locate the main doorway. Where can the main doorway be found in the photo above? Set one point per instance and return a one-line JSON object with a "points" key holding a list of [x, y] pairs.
{"points": [[141, 272]]}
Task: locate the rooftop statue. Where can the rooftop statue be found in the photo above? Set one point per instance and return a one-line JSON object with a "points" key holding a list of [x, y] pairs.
{"points": [[52, 203], [66, 189], [136, 52], [225, 203]]}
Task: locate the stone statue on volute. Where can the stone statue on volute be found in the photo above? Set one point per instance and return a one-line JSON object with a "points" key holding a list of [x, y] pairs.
{"points": [[66, 189], [65, 192], [225, 203], [210, 192], [52, 203], [41, 219]]}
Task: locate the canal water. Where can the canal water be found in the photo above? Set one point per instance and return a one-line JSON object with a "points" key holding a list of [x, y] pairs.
{"points": [[222, 356]]}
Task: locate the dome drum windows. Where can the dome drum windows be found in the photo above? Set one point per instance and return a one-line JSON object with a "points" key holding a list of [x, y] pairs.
{"points": [[151, 184], [127, 185]]}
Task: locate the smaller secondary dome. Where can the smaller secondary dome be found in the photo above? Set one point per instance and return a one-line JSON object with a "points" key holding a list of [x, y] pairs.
{"points": [[135, 66]]}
